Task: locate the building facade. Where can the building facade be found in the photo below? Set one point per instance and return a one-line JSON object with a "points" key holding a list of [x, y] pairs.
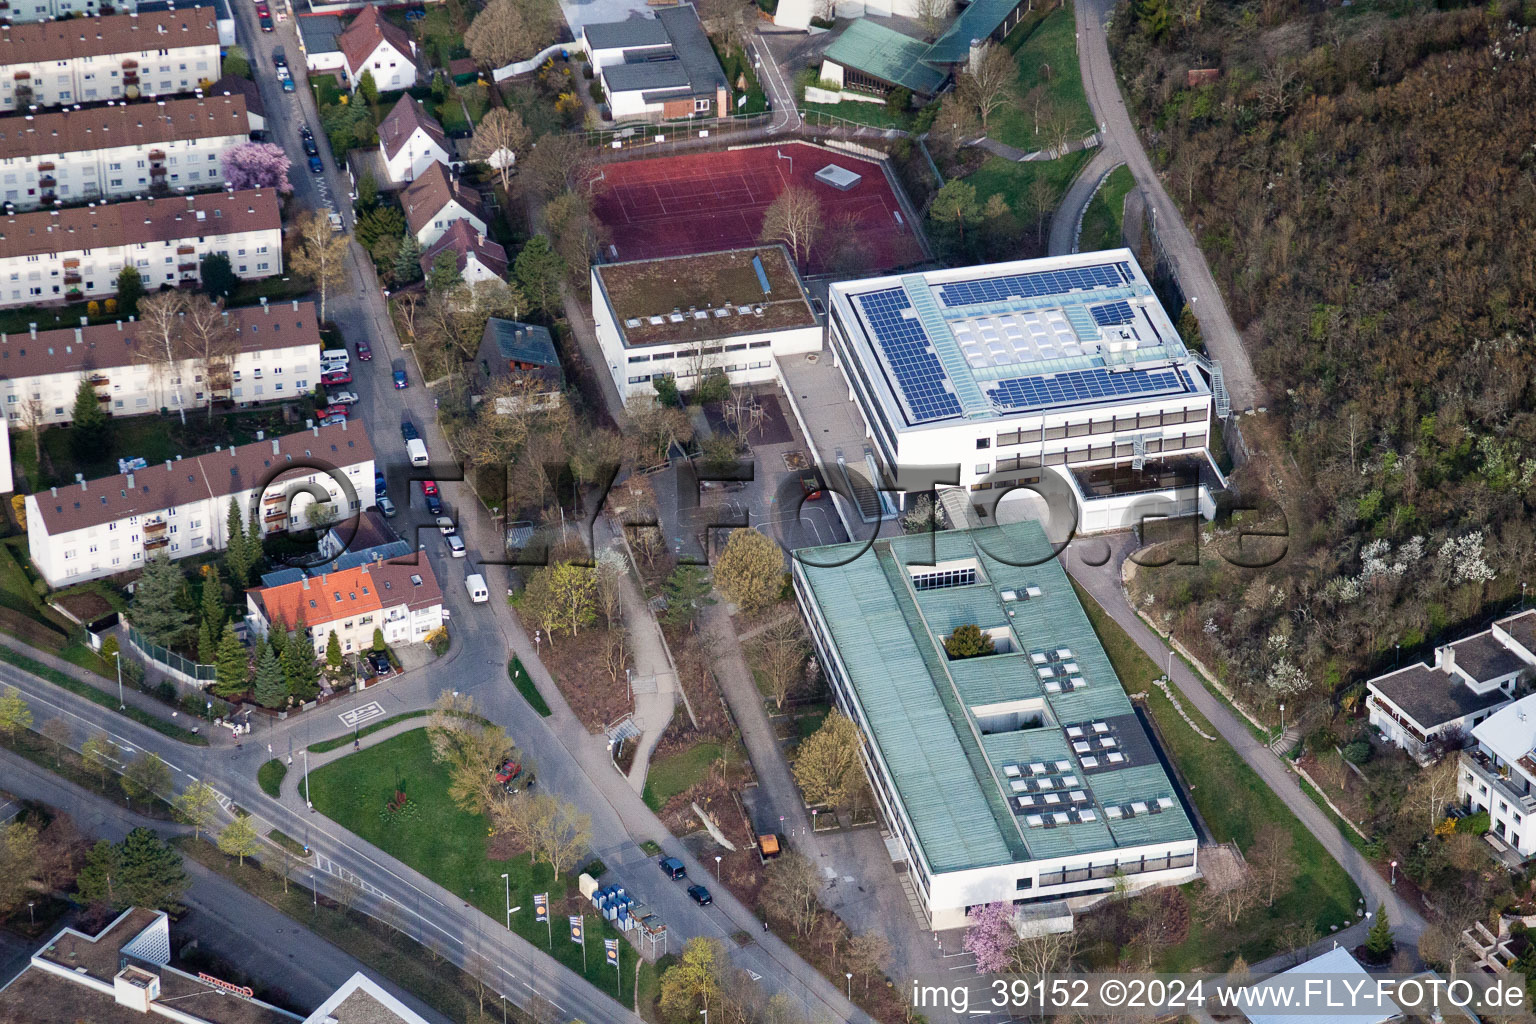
{"points": [[68, 255], [404, 601], [96, 528], [1422, 708], [686, 317], [1021, 776], [381, 49], [479, 258], [660, 68], [21, 11], [1498, 775], [411, 141], [1059, 382], [277, 358], [435, 200], [107, 57], [118, 150]]}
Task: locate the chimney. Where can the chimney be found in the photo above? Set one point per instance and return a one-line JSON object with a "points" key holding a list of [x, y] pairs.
{"points": [[1445, 658], [33, 329], [83, 321], [167, 465], [130, 481], [295, 305], [55, 491], [308, 424], [80, 479], [316, 431], [975, 58]]}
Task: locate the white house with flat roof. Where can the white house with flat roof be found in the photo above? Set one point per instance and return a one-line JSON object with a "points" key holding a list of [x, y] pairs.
{"points": [[1498, 773], [1023, 776], [1312, 993], [1058, 378], [686, 317], [1422, 706]]}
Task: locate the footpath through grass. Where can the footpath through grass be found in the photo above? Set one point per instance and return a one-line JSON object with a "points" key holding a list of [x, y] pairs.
{"points": [[1103, 221], [106, 700], [449, 845], [1236, 805]]}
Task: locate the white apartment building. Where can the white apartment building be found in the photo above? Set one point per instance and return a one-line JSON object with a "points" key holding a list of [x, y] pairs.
{"points": [[68, 255], [107, 57], [686, 317], [121, 149], [47, 10], [403, 600], [1058, 381], [95, 528], [278, 357], [1498, 775], [1424, 706]]}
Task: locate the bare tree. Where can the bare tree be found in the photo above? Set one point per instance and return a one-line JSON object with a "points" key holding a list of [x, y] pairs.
{"points": [[32, 416], [1434, 788], [988, 81], [211, 341], [1038, 955], [780, 652], [408, 305], [499, 138], [1277, 89], [320, 255], [931, 14], [161, 326], [615, 650], [794, 218], [1271, 861]]}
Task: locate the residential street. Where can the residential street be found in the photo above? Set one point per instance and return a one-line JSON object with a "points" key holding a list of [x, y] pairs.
{"points": [[1103, 582]]}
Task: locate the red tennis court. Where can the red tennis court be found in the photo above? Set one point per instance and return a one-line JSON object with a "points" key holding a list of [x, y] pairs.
{"points": [[705, 202]]}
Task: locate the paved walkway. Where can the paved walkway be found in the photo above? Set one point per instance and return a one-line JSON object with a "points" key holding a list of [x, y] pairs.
{"points": [[1068, 217], [1115, 126], [1019, 156], [1104, 584]]}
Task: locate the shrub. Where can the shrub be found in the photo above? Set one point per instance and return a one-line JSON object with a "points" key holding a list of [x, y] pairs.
{"points": [[1473, 824], [1357, 752], [968, 641], [596, 92]]}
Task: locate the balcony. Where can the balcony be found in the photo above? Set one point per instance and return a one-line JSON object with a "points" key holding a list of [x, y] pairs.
{"points": [[154, 543], [45, 167], [156, 525], [1507, 783], [187, 268]]}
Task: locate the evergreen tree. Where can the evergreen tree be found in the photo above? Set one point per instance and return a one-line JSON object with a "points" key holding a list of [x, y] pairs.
{"points": [[367, 88], [156, 609], [96, 881], [299, 665], [378, 639], [88, 422], [277, 638], [235, 550], [253, 549], [213, 600], [271, 687], [408, 260], [233, 668], [207, 646], [130, 289], [445, 274], [150, 873], [333, 651], [1379, 942]]}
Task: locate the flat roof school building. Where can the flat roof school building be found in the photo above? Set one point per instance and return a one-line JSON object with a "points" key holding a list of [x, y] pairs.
{"points": [[1062, 374], [1024, 776]]}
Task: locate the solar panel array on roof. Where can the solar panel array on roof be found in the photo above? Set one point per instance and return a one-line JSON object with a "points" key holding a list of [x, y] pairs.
{"points": [[1081, 386], [1029, 286], [1112, 313], [910, 355]]}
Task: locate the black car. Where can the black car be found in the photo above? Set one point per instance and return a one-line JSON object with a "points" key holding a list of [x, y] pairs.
{"points": [[279, 59], [266, 22], [434, 504], [380, 662], [408, 431], [306, 131], [310, 147], [700, 895], [673, 868]]}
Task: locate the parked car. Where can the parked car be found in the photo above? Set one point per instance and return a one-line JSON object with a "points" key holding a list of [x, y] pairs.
{"points": [[305, 131], [262, 11], [335, 366], [386, 506], [279, 59], [265, 21], [429, 487], [315, 166], [309, 146], [380, 485], [400, 380], [700, 895], [364, 352], [337, 410], [335, 377], [673, 867], [408, 431], [288, 85], [342, 398], [455, 545], [331, 421], [506, 773], [435, 506], [445, 525], [380, 662]]}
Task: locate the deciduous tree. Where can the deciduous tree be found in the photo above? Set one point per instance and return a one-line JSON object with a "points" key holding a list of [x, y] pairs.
{"points": [[794, 218], [987, 83], [780, 652], [499, 140], [256, 165], [826, 765], [690, 987], [791, 892], [161, 346], [990, 937], [239, 838], [750, 571], [145, 778], [198, 806], [320, 254], [100, 754]]}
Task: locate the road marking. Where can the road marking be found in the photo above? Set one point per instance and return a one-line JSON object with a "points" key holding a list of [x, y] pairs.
{"points": [[363, 713]]}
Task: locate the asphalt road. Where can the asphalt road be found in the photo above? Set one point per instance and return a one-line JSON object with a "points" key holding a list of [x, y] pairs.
{"points": [[223, 918]]}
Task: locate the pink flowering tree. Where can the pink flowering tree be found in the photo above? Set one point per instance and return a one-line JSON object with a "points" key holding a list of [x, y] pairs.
{"points": [[257, 165], [990, 936]]}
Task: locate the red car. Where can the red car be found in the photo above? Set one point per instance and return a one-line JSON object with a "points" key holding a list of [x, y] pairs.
{"points": [[429, 488], [338, 377], [364, 352], [336, 410]]}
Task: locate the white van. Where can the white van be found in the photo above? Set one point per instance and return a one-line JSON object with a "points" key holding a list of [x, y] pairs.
{"points": [[335, 355], [417, 448], [475, 584]]}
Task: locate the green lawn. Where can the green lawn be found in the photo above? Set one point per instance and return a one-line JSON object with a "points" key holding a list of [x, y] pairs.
{"points": [[1235, 804], [448, 845], [270, 777], [525, 686], [1102, 221], [1012, 180], [1046, 54], [876, 115], [325, 746], [671, 775]]}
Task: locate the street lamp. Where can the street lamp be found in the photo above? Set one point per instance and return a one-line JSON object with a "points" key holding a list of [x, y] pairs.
{"points": [[849, 976], [210, 710], [1394, 875], [1169, 670], [629, 687], [122, 705], [31, 917], [717, 867], [1282, 720], [705, 1015], [508, 879], [307, 802]]}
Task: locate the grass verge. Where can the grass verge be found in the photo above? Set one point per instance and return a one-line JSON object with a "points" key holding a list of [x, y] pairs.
{"points": [[672, 775], [326, 746], [96, 696], [270, 777], [417, 968], [1012, 180], [1236, 805], [288, 843], [69, 765], [526, 687], [450, 846], [1103, 221]]}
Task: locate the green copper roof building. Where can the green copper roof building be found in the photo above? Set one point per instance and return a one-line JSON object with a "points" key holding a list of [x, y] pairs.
{"points": [[1024, 775]]}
